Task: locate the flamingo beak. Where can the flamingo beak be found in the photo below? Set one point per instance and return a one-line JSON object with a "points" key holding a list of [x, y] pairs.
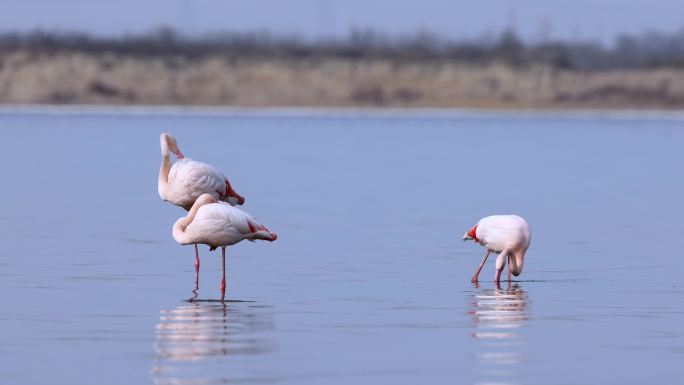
{"points": [[273, 237], [240, 199], [179, 154], [234, 195], [471, 234], [234, 199]]}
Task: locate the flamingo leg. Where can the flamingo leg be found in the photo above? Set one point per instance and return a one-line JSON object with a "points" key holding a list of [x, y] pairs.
{"points": [[197, 266], [509, 270], [500, 264], [223, 278], [479, 268], [497, 276]]}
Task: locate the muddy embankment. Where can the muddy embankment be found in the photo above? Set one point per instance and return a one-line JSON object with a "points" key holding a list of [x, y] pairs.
{"points": [[83, 78]]}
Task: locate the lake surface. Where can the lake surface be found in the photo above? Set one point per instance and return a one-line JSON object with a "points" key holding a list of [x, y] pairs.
{"points": [[368, 282]]}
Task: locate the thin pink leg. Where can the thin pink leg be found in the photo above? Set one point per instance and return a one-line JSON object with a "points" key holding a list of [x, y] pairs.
{"points": [[197, 266], [223, 278], [497, 277], [477, 272], [509, 269]]}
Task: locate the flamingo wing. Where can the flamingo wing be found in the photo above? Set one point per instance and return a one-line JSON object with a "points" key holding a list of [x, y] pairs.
{"points": [[248, 227], [190, 179], [502, 231], [242, 221], [216, 224]]}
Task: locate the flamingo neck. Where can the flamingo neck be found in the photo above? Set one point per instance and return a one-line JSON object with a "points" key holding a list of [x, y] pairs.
{"points": [[179, 233], [164, 171], [182, 223]]}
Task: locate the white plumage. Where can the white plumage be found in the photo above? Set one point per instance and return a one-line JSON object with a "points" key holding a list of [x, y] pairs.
{"points": [[506, 235], [184, 181], [217, 224]]}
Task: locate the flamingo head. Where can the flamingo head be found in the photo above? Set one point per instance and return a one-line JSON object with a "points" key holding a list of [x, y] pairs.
{"points": [[233, 197], [471, 234], [168, 144]]}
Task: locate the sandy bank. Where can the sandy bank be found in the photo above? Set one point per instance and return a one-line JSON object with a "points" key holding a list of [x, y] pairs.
{"points": [[78, 78]]}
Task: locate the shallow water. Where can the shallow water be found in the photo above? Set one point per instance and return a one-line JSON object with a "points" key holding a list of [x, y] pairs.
{"points": [[368, 281]]}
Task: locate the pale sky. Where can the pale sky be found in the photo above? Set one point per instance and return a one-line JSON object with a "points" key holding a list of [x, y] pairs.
{"points": [[578, 19]]}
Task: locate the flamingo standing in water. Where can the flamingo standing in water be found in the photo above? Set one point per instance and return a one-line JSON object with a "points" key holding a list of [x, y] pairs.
{"points": [[184, 181], [218, 224], [506, 235]]}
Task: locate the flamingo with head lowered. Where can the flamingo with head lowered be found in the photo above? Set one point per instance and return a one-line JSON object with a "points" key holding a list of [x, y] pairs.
{"points": [[184, 181], [217, 224], [506, 235]]}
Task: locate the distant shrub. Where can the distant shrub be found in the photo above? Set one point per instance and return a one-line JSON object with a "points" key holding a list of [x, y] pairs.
{"points": [[649, 50]]}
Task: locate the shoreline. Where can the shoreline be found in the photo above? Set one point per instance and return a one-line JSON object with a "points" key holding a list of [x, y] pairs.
{"points": [[335, 112]]}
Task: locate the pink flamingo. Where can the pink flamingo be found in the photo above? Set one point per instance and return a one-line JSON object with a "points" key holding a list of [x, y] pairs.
{"points": [[506, 235], [217, 224], [184, 181]]}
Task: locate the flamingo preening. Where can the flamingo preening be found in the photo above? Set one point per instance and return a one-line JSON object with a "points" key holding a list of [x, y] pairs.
{"points": [[217, 224], [506, 235], [184, 181]]}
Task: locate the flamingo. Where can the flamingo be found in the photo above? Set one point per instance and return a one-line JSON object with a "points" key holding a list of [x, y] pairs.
{"points": [[506, 235], [217, 224], [184, 181]]}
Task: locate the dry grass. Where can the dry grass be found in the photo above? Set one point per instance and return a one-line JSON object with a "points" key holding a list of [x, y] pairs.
{"points": [[106, 79]]}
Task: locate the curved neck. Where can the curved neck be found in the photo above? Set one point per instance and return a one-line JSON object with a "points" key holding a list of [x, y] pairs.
{"points": [[182, 223], [164, 171]]}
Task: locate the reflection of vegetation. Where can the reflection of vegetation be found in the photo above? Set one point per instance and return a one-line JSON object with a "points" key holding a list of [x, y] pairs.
{"points": [[648, 50]]}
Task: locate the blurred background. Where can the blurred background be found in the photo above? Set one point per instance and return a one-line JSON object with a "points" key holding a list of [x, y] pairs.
{"points": [[429, 53]]}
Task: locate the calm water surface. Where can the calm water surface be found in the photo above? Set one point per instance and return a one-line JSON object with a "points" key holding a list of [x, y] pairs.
{"points": [[368, 282]]}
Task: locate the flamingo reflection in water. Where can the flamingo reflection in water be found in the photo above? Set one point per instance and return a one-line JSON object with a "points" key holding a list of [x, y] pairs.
{"points": [[498, 316], [199, 336]]}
